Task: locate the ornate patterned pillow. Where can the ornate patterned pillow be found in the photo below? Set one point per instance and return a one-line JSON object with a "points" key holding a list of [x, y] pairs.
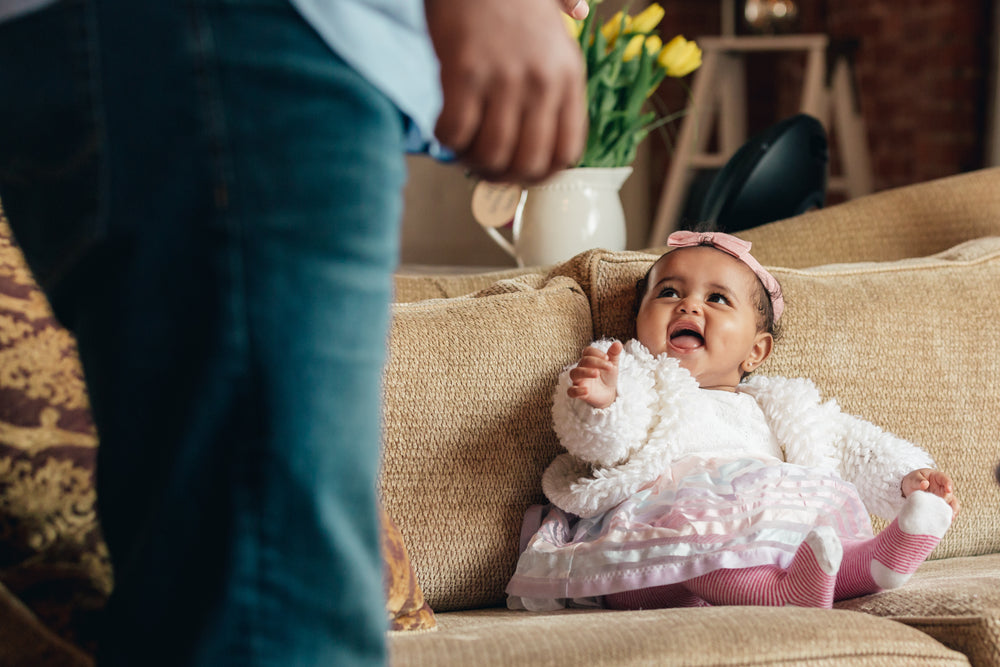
{"points": [[52, 555], [405, 607]]}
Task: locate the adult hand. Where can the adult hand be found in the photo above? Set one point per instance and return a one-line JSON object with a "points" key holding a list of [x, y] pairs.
{"points": [[514, 86]]}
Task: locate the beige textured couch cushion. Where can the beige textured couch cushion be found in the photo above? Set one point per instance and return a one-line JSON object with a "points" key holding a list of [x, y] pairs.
{"points": [[718, 636], [954, 600], [913, 346], [467, 427]]}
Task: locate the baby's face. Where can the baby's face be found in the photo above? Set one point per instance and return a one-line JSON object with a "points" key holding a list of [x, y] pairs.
{"points": [[700, 309]]}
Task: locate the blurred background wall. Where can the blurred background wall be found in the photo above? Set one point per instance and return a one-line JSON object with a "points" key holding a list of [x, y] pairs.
{"points": [[926, 80]]}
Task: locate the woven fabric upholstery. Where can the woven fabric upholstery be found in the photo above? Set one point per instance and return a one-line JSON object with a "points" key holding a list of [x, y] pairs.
{"points": [[468, 428], [955, 600], [912, 221], [418, 286], [719, 636], [913, 346]]}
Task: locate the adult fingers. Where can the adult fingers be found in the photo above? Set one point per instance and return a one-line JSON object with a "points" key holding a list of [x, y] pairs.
{"points": [[492, 149], [462, 108], [578, 9]]}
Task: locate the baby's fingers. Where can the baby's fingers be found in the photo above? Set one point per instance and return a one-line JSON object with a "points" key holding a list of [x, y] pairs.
{"points": [[954, 503], [578, 375], [939, 484], [595, 363]]}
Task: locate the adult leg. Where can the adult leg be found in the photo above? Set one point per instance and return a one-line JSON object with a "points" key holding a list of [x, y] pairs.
{"points": [[230, 312]]}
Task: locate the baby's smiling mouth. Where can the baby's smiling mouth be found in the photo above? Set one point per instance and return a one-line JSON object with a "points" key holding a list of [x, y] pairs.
{"points": [[685, 339]]}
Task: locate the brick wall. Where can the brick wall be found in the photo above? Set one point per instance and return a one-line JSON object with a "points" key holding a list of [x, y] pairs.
{"points": [[922, 69]]}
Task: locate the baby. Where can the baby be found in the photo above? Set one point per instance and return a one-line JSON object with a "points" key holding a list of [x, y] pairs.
{"points": [[687, 485]]}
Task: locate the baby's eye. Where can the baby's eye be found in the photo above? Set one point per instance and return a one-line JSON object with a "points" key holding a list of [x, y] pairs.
{"points": [[667, 293], [718, 298]]}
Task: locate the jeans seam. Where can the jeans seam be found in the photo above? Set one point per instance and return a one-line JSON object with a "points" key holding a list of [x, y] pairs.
{"points": [[251, 624]]}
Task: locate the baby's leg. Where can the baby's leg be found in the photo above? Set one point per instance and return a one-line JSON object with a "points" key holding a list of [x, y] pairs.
{"points": [[888, 560], [655, 597], [808, 581]]}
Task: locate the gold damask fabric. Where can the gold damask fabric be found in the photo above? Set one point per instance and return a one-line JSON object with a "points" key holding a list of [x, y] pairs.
{"points": [[52, 555], [405, 607]]}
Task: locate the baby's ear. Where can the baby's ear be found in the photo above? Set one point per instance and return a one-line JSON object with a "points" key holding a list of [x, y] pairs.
{"points": [[759, 352]]}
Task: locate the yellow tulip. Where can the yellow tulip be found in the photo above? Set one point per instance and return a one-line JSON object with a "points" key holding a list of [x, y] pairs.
{"points": [[647, 19], [653, 45], [680, 57], [632, 49], [572, 26], [613, 27]]}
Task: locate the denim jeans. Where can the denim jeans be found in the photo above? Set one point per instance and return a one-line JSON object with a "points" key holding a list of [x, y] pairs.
{"points": [[210, 198]]}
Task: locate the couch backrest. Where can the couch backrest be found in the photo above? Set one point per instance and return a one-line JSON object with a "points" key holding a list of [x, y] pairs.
{"points": [[912, 221], [468, 427]]}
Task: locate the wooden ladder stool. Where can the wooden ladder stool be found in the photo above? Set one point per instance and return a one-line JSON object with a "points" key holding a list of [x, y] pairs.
{"points": [[719, 96]]}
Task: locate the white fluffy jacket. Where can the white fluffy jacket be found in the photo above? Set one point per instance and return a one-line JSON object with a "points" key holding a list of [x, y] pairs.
{"points": [[615, 451]]}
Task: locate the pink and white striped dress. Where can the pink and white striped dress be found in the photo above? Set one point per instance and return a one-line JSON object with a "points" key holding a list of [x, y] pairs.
{"points": [[700, 515]]}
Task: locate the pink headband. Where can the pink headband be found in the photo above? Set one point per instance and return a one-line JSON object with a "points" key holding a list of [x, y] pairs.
{"points": [[739, 249]]}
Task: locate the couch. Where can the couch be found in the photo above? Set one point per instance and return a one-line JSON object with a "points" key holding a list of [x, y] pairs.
{"points": [[892, 309]]}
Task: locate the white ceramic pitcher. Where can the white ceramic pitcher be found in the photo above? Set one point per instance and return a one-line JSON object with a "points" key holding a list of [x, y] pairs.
{"points": [[573, 211]]}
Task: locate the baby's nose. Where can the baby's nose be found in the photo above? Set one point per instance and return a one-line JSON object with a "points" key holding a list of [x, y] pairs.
{"points": [[689, 306]]}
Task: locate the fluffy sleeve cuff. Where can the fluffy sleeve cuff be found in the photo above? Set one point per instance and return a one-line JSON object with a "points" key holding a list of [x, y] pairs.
{"points": [[876, 462], [610, 435]]}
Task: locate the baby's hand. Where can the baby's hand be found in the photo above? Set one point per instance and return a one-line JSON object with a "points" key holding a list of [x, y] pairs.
{"points": [[595, 378], [932, 481]]}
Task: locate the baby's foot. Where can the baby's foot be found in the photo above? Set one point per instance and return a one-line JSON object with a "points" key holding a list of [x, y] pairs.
{"points": [[910, 539], [826, 548], [812, 574]]}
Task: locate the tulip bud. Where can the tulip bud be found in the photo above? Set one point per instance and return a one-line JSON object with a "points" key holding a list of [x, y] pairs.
{"points": [[680, 57], [647, 19]]}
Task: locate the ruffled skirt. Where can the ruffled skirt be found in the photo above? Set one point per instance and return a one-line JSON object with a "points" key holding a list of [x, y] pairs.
{"points": [[699, 516]]}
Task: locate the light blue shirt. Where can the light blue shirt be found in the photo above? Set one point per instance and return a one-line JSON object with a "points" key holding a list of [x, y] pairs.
{"points": [[385, 40], [11, 8]]}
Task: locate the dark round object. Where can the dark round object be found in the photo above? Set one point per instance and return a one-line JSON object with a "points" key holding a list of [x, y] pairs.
{"points": [[777, 174]]}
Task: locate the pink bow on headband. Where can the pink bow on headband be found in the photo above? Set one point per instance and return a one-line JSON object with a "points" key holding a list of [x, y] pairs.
{"points": [[739, 249]]}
